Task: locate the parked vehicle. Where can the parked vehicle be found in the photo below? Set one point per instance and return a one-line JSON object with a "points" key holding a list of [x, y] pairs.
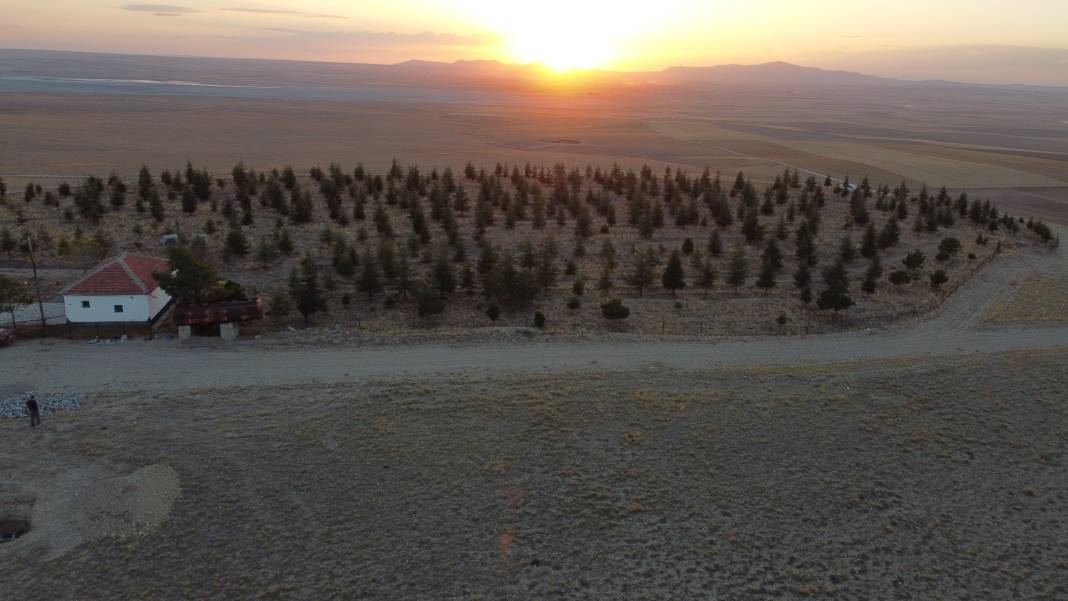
{"points": [[6, 337]]}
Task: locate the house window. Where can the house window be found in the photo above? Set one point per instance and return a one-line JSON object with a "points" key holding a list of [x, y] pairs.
{"points": [[118, 308], [85, 304]]}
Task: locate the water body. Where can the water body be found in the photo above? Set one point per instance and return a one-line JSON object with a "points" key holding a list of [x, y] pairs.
{"points": [[148, 87]]}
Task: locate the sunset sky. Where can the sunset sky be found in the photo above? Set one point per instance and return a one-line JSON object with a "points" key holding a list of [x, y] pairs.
{"points": [[967, 40]]}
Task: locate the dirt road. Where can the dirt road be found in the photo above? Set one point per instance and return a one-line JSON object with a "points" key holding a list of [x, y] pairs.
{"points": [[165, 366]]}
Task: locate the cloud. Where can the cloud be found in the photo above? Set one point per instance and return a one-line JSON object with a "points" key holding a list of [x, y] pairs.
{"points": [[291, 13], [161, 10], [389, 38]]}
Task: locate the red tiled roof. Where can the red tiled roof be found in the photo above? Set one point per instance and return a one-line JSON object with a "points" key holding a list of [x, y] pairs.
{"points": [[124, 274]]}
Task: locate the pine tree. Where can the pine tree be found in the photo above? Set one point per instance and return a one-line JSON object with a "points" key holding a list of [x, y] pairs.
{"points": [[144, 183], [752, 229], [869, 244], [304, 289], [7, 242], [766, 278], [189, 200], [303, 208], [605, 283], [642, 273], [847, 251], [370, 280], [871, 277], [155, 207], [674, 277], [285, 243], [737, 268], [836, 295], [772, 254], [545, 267], [428, 301], [706, 275], [890, 234], [442, 272], [715, 245], [236, 244]]}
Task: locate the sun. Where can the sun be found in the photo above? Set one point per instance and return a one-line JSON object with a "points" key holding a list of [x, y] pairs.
{"points": [[563, 35], [564, 51]]}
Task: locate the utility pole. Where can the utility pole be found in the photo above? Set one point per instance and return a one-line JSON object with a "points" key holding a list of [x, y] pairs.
{"points": [[36, 283]]}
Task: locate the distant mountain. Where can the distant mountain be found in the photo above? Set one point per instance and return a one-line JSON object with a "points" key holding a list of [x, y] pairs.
{"points": [[484, 74], [775, 73]]}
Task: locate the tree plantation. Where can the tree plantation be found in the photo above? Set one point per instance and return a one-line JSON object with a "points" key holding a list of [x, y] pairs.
{"points": [[582, 248]]}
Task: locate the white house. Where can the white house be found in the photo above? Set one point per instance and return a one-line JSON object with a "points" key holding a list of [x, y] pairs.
{"points": [[119, 290]]}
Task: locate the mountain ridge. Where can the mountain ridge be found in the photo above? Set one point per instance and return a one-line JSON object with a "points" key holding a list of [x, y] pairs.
{"points": [[63, 63]]}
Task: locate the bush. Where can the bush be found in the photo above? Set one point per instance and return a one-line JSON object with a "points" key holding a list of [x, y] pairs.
{"points": [[782, 319], [539, 320], [493, 310], [938, 278], [949, 246], [574, 303], [900, 277], [942, 256], [914, 261], [615, 310], [281, 306], [972, 257], [428, 299]]}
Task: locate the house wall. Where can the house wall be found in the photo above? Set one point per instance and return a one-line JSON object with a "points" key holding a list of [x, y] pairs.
{"points": [[102, 308], [157, 301]]}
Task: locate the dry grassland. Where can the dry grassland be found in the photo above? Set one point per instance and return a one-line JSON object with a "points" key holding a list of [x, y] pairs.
{"points": [[913, 478], [1042, 299]]}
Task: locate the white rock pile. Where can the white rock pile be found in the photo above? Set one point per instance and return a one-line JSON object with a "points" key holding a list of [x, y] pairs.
{"points": [[15, 407]]}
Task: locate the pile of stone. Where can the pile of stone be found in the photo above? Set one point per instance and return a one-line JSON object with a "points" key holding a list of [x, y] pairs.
{"points": [[15, 407]]}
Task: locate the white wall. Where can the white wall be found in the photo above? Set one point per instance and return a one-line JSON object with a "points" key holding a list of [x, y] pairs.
{"points": [[157, 301], [102, 308]]}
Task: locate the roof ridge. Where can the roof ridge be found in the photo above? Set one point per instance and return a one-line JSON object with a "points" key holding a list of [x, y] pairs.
{"points": [[95, 270], [121, 260]]}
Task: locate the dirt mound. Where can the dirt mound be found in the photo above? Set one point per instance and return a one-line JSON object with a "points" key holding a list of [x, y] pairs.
{"points": [[87, 504], [130, 505]]}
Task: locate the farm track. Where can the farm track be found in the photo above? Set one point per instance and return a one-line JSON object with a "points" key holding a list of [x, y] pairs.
{"points": [[953, 329]]}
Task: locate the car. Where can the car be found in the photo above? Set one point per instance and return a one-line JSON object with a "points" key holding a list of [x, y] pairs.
{"points": [[6, 337]]}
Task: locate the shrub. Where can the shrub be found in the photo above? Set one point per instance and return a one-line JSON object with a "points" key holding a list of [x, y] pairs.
{"points": [[281, 306], [539, 320], [900, 277], [493, 310], [914, 260], [938, 278], [615, 310], [949, 246], [428, 299], [574, 303]]}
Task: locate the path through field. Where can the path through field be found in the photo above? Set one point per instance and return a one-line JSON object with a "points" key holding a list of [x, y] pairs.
{"points": [[163, 366]]}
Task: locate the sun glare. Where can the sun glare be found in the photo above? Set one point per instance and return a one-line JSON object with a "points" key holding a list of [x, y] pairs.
{"points": [[565, 34]]}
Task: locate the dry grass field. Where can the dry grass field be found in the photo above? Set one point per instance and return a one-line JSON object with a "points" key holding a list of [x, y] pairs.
{"points": [[1035, 299], [912, 479], [993, 141]]}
